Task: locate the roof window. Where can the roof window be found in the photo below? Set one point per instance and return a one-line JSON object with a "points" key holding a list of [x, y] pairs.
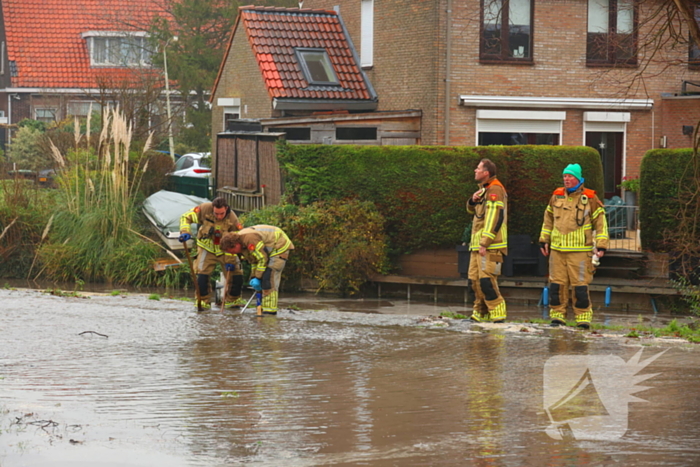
{"points": [[118, 49], [317, 67]]}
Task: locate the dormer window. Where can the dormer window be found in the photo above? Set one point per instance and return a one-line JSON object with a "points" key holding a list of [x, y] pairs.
{"points": [[118, 49], [317, 67]]}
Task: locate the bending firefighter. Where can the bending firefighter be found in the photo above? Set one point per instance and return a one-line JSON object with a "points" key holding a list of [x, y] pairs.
{"points": [[489, 243], [573, 215], [214, 220], [267, 248]]}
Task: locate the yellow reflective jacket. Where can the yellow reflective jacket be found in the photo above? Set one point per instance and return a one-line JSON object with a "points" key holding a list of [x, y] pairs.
{"points": [[490, 224], [261, 243], [570, 219], [209, 231]]}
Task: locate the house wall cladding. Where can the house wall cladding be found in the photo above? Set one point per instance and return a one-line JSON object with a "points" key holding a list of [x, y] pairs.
{"points": [[407, 55], [409, 68]]}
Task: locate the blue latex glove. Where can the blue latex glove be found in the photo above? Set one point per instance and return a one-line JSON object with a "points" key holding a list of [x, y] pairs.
{"points": [[184, 237], [230, 267], [256, 284]]}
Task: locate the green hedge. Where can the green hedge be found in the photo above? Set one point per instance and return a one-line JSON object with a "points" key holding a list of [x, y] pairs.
{"points": [[422, 190], [668, 181]]}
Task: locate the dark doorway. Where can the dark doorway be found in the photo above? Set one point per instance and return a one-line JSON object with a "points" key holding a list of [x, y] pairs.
{"points": [[609, 146]]}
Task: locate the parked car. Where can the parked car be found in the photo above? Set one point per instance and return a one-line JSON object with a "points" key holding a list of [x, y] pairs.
{"points": [[45, 178], [24, 174], [194, 164]]}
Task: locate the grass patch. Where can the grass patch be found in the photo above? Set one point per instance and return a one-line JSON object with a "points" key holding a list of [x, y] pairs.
{"points": [[154, 296], [689, 331], [63, 293], [453, 315]]}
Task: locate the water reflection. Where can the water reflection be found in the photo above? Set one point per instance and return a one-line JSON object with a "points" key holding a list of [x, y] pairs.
{"points": [[309, 388]]}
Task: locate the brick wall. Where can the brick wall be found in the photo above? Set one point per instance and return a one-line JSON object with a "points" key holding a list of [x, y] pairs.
{"points": [[408, 54], [241, 78], [677, 112], [409, 68]]}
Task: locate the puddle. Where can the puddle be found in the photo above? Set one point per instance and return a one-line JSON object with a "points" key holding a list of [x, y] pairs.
{"points": [[126, 381]]}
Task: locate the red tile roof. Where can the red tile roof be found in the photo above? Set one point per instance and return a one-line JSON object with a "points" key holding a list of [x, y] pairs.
{"points": [[44, 38], [274, 34]]}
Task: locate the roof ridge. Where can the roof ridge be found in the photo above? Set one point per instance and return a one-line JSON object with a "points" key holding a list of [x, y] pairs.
{"points": [[279, 9]]}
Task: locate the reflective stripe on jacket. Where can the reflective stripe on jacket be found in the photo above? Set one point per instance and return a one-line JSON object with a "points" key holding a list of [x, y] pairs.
{"points": [[570, 219], [490, 224], [263, 242], [209, 231]]}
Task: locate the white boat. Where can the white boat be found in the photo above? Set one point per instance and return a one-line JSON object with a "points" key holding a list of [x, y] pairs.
{"points": [[164, 209]]}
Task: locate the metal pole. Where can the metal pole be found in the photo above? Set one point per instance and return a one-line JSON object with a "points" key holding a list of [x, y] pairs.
{"points": [[167, 100]]}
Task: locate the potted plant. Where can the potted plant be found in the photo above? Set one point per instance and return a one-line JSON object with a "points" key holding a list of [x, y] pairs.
{"points": [[630, 184]]}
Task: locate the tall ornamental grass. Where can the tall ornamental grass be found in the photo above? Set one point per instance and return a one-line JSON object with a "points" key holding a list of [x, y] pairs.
{"points": [[95, 235]]}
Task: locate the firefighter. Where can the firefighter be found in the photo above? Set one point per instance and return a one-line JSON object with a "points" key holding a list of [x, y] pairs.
{"points": [[489, 243], [213, 219], [267, 249], [573, 215]]}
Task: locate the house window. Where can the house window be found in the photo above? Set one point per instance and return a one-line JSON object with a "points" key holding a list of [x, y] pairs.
{"points": [[317, 66], [694, 53], [296, 134], [515, 127], [231, 113], [367, 27], [356, 133], [513, 139], [45, 114], [118, 49], [506, 30], [82, 108], [611, 32]]}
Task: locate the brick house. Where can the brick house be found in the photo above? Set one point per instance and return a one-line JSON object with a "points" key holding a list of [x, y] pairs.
{"points": [[59, 56], [528, 72], [293, 73]]}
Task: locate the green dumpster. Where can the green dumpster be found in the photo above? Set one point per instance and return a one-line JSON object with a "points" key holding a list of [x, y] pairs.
{"points": [[195, 186]]}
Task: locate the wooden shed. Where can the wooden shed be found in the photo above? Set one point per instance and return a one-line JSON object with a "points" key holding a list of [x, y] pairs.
{"points": [[246, 169]]}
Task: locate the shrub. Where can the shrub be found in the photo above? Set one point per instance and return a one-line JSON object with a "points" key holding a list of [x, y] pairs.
{"points": [[340, 243], [25, 212], [27, 152], [421, 190], [668, 197]]}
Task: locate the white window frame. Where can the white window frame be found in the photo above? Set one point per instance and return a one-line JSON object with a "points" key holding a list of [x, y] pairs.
{"points": [[325, 61], [118, 40], [229, 105], [367, 34], [71, 105], [520, 121], [608, 122], [53, 110]]}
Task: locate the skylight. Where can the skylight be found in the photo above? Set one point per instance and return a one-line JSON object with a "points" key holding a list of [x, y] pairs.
{"points": [[317, 67]]}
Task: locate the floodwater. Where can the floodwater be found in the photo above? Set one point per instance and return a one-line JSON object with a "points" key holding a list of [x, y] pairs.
{"points": [[127, 381]]}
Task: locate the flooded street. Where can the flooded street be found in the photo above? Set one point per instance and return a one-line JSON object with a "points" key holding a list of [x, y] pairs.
{"points": [[127, 381]]}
